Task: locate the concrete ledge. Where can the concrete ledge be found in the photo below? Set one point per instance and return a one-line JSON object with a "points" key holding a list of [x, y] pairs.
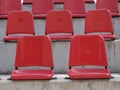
{"points": [[61, 84]]}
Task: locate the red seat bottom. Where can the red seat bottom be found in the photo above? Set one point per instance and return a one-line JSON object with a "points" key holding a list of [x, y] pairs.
{"points": [[12, 38], [37, 16], [109, 36], [60, 37], [32, 74], [88, 73], [78, 15]]}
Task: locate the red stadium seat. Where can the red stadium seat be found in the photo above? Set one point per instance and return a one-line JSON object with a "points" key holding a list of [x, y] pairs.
{"points": [[41, 7], [77, 7], [19, 23], [58, 1], [111, 5], [59, 25], [7, 6], [88, 50], [100, 22], [89, 1], [28, 1], [33, 51]]}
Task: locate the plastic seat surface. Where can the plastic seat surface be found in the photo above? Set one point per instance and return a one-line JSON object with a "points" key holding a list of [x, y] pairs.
{"points": [[111, 5], [32, 74], [40, 8], [11, 38], [37, 53], [89, 73], [109, 37], [61, 37], [59, 25], [8, 6], [19, 22], [99, 21], [88, 50], [77, 7]]}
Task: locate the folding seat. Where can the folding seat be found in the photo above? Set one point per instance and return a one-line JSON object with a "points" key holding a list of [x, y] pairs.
{"points": [[28, 1], [89, 1], [58, 1], [111, 5], [77, 7], [33, 51], [19, 23], [41, 7], [88, 50], [59, 25], [7, 6], [99, 22]]}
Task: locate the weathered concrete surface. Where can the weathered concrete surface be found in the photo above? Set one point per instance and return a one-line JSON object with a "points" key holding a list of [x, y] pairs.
{"points": [[61, 56], [78, 24], [90, 6], [119, 6], [3, 24], [113, 51], [58, 6], [39, 26], [61, 84], [116, 25], [27, 7], [7, 57]]}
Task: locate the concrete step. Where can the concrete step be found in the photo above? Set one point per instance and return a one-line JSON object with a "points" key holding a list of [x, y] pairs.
{"points": [[61, 84], [61, 56]]}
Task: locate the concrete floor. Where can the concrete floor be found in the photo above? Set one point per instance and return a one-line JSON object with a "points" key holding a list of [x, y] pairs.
{"points": [[61, 84]]}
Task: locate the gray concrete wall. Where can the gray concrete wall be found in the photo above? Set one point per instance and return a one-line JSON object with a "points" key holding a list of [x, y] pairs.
{"points": [[90, 6], [116, 22], [119, 6], [61, 84], [61, 56]]}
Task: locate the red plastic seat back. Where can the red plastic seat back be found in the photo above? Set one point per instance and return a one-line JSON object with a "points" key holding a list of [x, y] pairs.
{"points": [[59, 22], [98, 21], [58, 1], [89, 1], [88, 50], [111, 5], [42, 6], [9, 5], [28, 1], [75, 6], [34, 51], [20, 22]]}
